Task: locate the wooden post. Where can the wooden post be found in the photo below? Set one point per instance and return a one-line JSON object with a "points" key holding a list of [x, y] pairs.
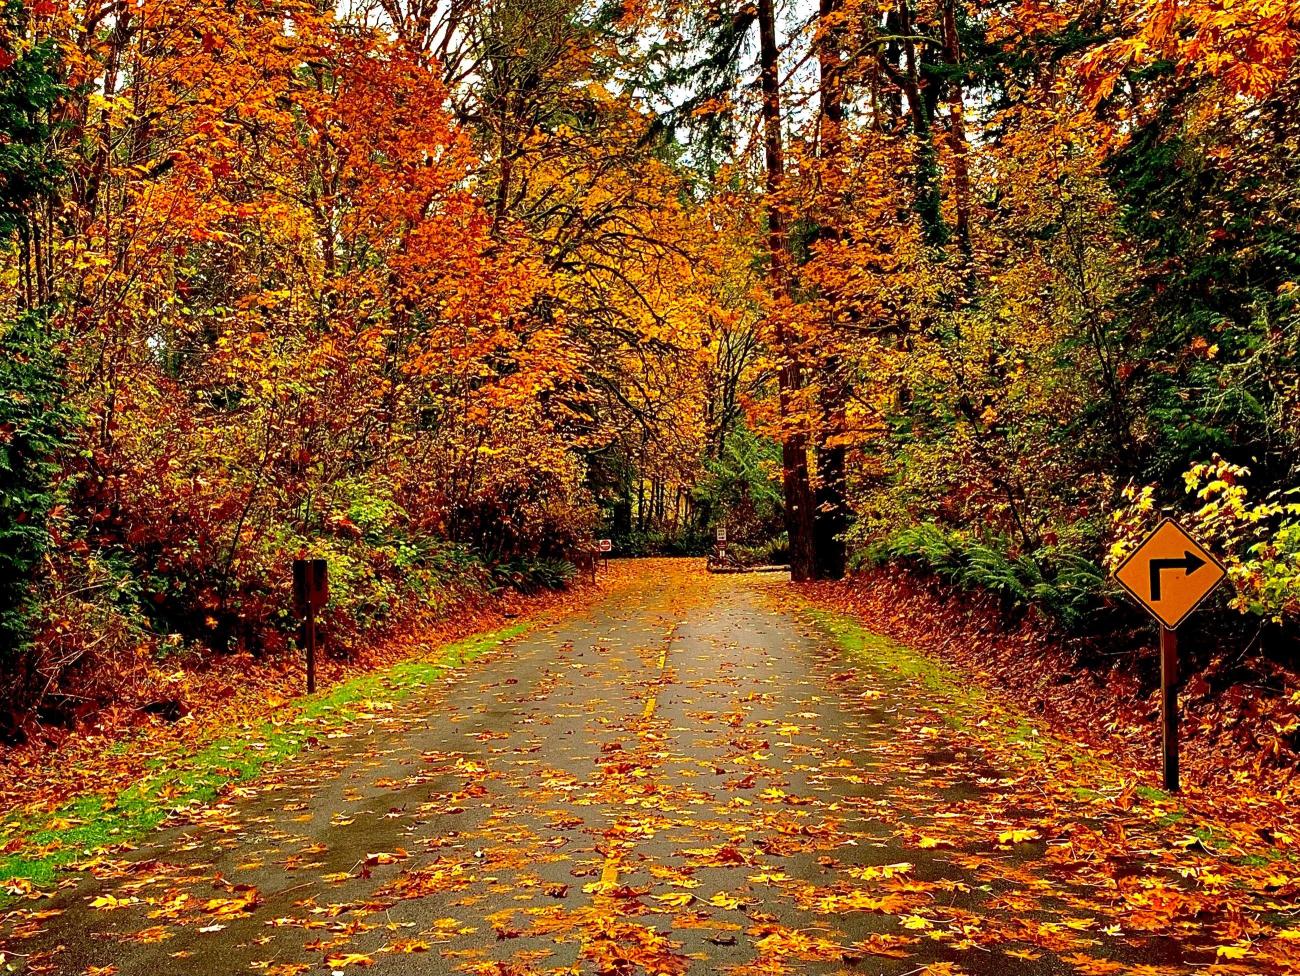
{"points": [[1169, 705], [311, 648], [311, 591]]}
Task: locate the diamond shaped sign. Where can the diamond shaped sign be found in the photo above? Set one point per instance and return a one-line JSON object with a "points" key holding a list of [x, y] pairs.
{"points": [[1170, 573]]}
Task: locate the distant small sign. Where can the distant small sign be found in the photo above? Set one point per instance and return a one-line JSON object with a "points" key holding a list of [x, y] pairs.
{"points": [[722, 533], [311, 588], [606, 545]]}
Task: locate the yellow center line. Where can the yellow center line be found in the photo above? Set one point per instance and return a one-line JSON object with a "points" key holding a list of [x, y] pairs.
{"points": [[653, 700], [609, 873]]}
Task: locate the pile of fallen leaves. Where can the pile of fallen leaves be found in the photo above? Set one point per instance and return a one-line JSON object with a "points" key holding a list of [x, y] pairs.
{"points": [[1238, 721]]}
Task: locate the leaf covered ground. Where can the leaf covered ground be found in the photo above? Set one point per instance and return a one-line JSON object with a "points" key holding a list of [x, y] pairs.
{"points": [[118, 776], [1239, 714], [698, 774]]}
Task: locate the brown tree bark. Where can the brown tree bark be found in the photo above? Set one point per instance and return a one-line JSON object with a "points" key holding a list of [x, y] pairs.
{"points": [[831, 516], [920, 107], [957, 128], [794, 443]]}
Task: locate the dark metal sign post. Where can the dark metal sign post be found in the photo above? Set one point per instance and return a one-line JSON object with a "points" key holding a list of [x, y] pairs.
{"points": [[1170, 574], [311, 591], [1169, 706]]}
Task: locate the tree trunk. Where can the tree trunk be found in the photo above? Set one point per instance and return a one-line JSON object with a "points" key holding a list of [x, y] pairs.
{"points": [[794, 443], [957, 128], [831, 516], [929, 199]]}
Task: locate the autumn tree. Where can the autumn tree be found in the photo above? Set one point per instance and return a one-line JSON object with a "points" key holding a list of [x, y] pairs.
{"points": [[431, 288]]}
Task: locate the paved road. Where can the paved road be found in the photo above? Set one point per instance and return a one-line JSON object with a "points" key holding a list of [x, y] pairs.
{"points": [[688, 777]]}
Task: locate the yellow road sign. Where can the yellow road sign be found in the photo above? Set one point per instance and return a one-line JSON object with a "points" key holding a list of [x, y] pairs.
{"points": [[1170, 573]]}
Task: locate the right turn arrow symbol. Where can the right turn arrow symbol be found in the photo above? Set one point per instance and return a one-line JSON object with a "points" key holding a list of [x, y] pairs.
{"points": [[1189, 564]]}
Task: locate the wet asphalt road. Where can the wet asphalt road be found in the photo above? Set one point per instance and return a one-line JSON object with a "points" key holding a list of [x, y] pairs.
{"points": [[685, 778]]}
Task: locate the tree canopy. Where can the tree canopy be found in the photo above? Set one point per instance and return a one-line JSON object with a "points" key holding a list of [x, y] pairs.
{"points": [[437, 286]]}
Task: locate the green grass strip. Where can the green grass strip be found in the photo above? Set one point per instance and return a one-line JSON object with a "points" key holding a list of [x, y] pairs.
{"points": [[966, 706], [54, 839]]}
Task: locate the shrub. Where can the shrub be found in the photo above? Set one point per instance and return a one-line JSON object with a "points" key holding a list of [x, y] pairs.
{"points": [[1257, 539], [654, 542], [36, 426], [773, 552], [534, 575], [1063, 583]]}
